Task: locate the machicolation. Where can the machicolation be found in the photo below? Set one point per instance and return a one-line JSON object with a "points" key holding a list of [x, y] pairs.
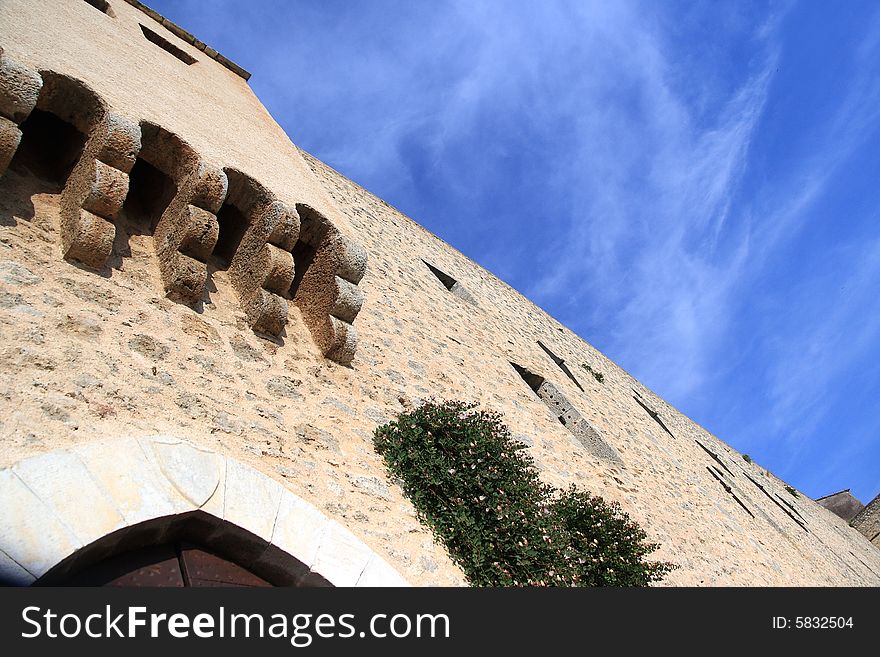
{"points": [[204, 327]]}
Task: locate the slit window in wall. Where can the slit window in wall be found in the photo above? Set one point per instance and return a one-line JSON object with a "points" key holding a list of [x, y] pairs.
{"points": [[532, 380], [313, 229], [770, 497], [654, 414], [103, 6], [715, 457], [567, 415], [561, 363], [49, 148], [167, 46], [149, 193], [450, 283], [729, 489]]}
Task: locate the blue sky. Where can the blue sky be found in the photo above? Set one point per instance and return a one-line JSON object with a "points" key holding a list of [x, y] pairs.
{"points": [[694, 188]]}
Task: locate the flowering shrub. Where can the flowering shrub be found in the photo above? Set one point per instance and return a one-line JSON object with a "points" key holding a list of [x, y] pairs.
{"points": [[481, 495]]}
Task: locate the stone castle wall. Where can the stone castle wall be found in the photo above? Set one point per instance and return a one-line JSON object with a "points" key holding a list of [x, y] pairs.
{"points": [[868, 521], [117, 327]]}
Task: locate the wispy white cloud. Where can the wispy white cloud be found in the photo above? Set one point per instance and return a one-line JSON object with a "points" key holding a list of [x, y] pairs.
{"points": [[612, 147], [643, 244]]}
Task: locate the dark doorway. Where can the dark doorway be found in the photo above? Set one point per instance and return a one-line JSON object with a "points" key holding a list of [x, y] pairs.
{"points": [[49, 148], [313, 229], [194, 549], [149, 193], [233, 226], [168, 565]]}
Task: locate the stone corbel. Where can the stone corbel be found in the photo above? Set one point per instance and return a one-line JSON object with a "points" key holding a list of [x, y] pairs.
{"points": [[96, 190], [19, 90], [187, 233], [262, 268], [328, 295]]}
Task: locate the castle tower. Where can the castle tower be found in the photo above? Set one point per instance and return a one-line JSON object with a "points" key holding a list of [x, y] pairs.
{"points": [[203, 326]]}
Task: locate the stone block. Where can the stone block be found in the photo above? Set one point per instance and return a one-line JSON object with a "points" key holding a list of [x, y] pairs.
{"points": [[299, 528], [40, 539], [349, 299], [10, 137], [279, 268], [19, 89], [351, 259], [342, 342], [379, 573], [139, 492], [252, 499], [107, 191], [267, 312], [194, 472], [342, 557], [120, 142], [185, 277], [87, 238], [62, 482], [199, 233]]}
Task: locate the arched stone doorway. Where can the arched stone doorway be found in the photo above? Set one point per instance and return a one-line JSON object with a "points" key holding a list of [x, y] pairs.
{"points": [[193, 549], [70, 513]]}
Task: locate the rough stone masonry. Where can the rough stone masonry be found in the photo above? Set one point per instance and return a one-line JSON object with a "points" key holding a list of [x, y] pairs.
{"points": [[172, 265]]}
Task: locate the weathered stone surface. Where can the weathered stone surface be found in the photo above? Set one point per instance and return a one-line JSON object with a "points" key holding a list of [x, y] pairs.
{"points": [[341, 557], [299, 528], [96, 189], [40, 539], [122, 470], [194, 472], [188, 230], [284, 386], [148, 346], [70, 383], [57, 477], [107, 192], [252, 499], [19, 89], [262, 267], [13, 273], [868, 521], [10, 137], [378, 573]]}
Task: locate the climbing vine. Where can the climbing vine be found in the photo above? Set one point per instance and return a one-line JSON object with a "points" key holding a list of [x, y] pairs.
{"points": [[481, 495]]}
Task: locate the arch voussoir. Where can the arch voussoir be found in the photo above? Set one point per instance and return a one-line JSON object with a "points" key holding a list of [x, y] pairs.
{"points": [[59, 503]]}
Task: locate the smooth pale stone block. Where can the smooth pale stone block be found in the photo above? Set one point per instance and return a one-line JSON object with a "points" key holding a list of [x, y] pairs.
{"points": [[139, 491], [342, 557], [33, 536], [252, 499], [379, 573], [216, 504], [63, 483], [193, 471], [299, 528], [12, 574]]}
